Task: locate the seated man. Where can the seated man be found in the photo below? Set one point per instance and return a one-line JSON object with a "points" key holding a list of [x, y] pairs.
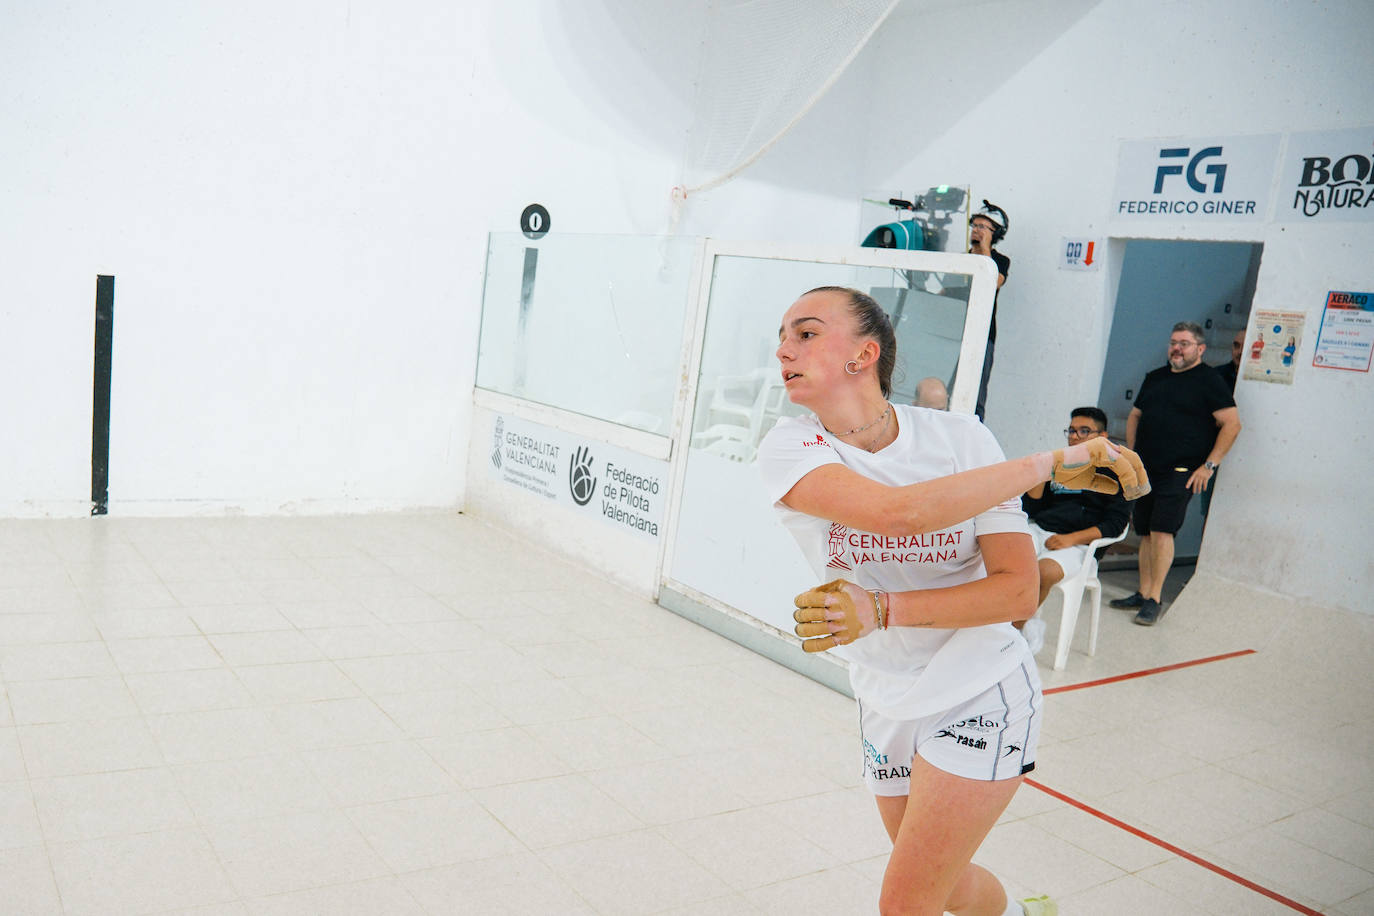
{"points": [[1063, 522]]}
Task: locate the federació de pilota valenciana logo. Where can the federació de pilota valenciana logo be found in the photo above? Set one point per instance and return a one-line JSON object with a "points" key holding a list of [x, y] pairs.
{"points": [[581, 480]]}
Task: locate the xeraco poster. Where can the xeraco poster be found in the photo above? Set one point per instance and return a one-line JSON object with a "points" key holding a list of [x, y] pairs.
{"points": [[1275, 338], [1346, 337]]}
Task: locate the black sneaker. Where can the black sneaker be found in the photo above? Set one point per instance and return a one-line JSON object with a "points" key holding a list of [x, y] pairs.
{"points": [[1149, 613], [1134, 601]]}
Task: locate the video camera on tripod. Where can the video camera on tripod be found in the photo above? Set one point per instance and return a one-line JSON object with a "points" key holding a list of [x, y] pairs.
{"points": [[929, 232]]}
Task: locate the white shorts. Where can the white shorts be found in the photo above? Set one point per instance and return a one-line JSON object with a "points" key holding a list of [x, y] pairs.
{"points": [[1070, 559], [992, 736]]}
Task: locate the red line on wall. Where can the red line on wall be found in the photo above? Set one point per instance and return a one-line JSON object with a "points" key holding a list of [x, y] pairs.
{"points": [[1196, 860], [1147, 672]]}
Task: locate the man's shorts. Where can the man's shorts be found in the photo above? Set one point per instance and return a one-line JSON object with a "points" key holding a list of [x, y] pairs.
{"points": [[992, 736], [1164, 507], [1070, 559]]}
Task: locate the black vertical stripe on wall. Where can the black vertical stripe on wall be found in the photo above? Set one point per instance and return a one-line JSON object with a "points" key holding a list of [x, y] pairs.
{"points": [[100, 414]]}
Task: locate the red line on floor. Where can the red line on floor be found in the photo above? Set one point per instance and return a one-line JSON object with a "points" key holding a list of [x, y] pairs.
{"points": [[1148, 671], [1196, 860]]}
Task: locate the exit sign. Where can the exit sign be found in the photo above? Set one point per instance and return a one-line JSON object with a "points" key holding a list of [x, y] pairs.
{"points": [[1079, 254]]}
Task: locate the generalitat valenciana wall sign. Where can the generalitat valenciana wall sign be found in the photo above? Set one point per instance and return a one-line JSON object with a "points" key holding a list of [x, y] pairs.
{"points": [[622, 488]]}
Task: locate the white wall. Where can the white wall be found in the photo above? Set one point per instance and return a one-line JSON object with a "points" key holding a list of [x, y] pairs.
{"points": [[1038, 135], [270, 186], [294, 199]]}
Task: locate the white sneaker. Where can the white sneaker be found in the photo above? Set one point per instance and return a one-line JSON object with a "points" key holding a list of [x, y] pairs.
{"points": [[1034, 632], [1039, 906]]}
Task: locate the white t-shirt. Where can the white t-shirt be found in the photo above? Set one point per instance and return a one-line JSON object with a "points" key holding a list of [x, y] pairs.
{"points": [[903, 672]]}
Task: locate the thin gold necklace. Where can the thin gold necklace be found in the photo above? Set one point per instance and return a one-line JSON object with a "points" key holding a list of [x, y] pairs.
{"points": [[859, 429], [882, 430]]}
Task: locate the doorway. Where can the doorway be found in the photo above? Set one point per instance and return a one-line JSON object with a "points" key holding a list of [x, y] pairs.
{"points": [[1161, 283]]}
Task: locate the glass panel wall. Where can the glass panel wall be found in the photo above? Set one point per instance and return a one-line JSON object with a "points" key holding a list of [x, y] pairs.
{"points": [[590, 324], [740, 394], [728, 542]]}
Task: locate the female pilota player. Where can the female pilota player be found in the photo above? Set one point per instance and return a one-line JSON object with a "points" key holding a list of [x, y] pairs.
{"points": [[919, 514]]}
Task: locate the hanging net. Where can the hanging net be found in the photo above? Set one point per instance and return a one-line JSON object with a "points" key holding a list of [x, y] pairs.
{"points": [[765, 64]]}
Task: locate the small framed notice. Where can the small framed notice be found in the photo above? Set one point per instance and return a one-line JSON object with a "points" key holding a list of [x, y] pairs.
{"points": [[1345, 339]]}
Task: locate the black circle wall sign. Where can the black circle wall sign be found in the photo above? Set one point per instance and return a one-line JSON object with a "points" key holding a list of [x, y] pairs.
{"points": [[534, 222]]}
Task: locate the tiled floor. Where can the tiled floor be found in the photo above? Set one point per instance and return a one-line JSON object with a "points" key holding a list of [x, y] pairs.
{"points": [[419, 714]]}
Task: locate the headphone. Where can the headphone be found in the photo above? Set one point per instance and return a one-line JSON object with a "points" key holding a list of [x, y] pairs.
{"points": [[997, 216]]}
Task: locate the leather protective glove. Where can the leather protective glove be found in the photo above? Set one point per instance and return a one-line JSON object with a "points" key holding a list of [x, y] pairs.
{"points": [[1076, 468], [827, 616]]}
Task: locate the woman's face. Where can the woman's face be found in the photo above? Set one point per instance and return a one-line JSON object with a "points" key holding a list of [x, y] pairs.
{"points": [[815, 341]]}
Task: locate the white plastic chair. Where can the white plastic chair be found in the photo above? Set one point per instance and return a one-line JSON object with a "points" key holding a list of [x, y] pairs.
{"points": [[1071, 589], [719, 431], [749, 402], [735, 395], [732, 449]]}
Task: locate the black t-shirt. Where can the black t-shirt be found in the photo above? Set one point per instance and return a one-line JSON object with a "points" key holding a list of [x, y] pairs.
{"points": [[1227, 371], [1176, 427], [1004, 268], [1065, 511]]}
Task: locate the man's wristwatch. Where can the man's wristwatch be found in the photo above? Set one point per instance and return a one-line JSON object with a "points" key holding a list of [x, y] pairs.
{"points": [[1210, 465]]}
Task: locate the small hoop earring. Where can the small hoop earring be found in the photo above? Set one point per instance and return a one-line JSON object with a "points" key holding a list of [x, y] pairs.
{"points": [[855, 364]]}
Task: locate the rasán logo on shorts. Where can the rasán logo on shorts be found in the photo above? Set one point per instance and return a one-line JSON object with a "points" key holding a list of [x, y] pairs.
{"points": [[581, 480], [978, 744]]}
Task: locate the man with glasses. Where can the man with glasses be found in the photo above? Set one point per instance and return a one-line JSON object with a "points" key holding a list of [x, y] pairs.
{"points": [[1064, 522], [1183, 423]]}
